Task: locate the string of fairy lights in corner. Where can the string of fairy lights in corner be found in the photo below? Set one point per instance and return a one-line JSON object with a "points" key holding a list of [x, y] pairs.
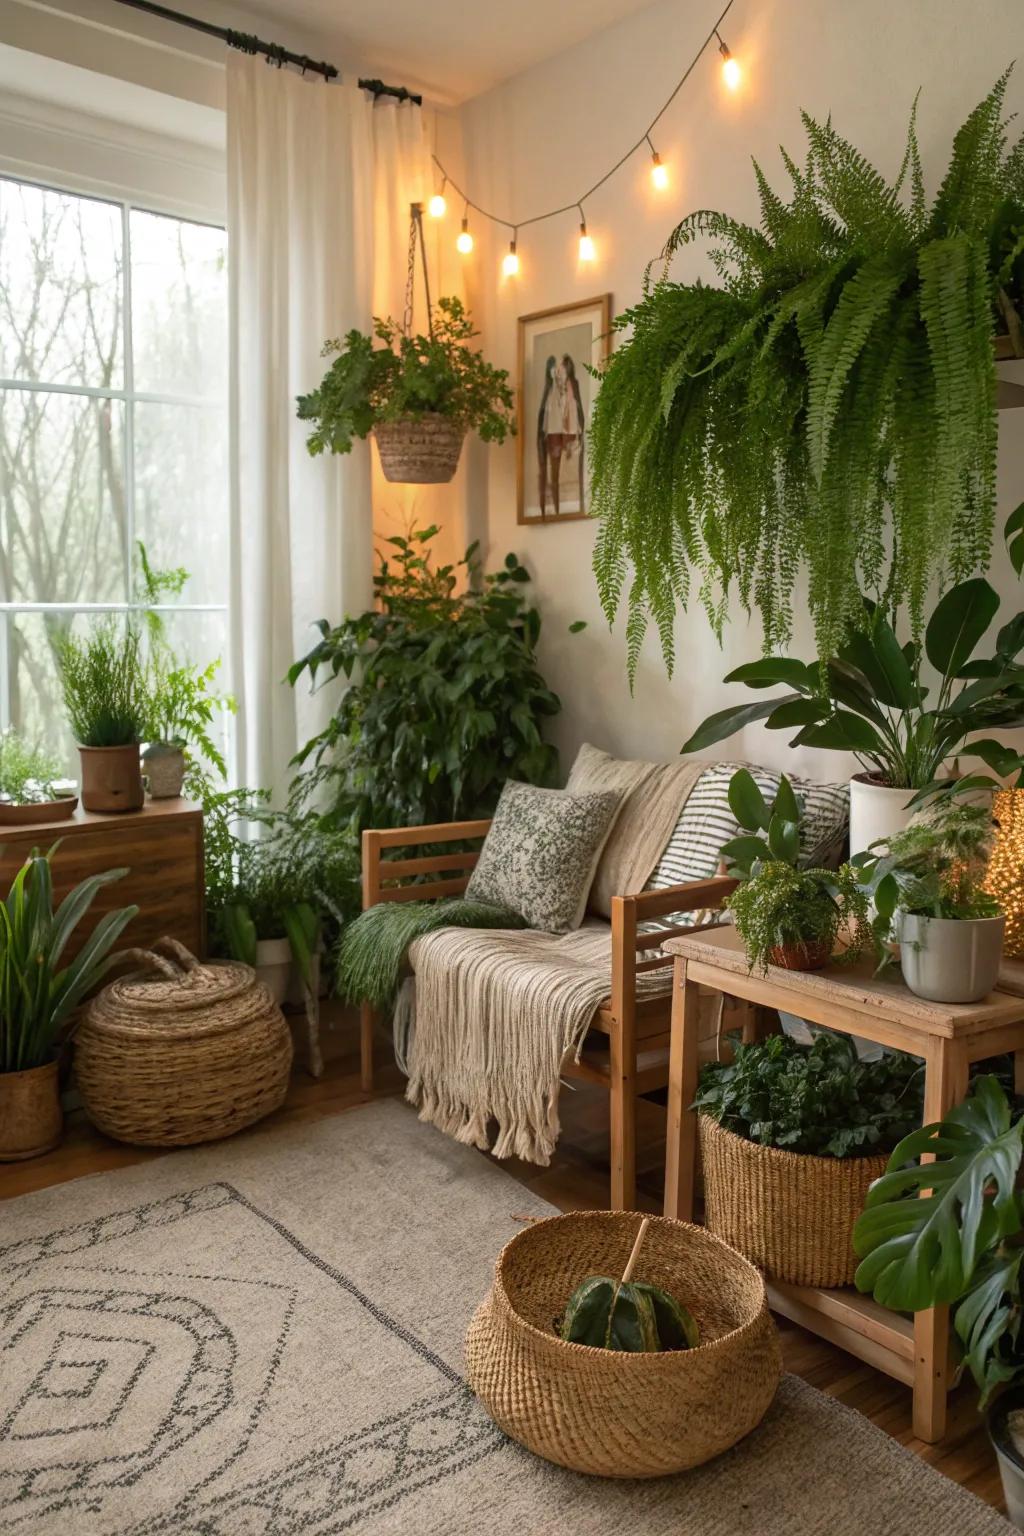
{"points": [[437, 207]]}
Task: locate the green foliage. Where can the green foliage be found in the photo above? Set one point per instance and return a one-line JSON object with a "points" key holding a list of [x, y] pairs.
{"points": [[947, 1232], [632, 1316], [107, 684], [372, 950], [842, 366], [409, 376], [27, 774], [38, 991], [870, 698], [444, 700], [819, 1099], [933, 868]]}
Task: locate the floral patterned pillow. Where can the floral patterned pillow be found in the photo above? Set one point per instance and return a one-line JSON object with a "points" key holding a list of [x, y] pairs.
{"points": [[541, 851]]}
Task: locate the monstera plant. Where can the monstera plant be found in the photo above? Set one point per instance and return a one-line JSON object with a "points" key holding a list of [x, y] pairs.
{"points": [[828, 403]]}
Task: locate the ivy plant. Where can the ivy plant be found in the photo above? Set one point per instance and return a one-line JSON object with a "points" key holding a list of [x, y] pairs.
{"points": [[829, 402]]}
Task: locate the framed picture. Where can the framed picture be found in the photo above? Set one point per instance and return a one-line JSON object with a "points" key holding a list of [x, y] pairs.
{"points": [[556, 393]]}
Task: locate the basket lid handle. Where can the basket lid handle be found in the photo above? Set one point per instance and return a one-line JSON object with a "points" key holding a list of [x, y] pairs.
{"points": [[148, 960], [177, 952]]}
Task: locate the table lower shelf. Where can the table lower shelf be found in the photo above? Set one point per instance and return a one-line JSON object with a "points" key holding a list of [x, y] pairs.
{"points": [[854, 1322]]}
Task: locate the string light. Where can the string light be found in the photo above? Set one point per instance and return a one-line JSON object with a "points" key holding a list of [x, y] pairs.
{"points": [[586, 243], [510, 265], [659, 172], [731, 72], [1004, 878], [438, 206], [465, 241]]}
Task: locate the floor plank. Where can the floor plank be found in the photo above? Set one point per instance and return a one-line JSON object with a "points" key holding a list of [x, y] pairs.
{"points": [[577, 1179]]}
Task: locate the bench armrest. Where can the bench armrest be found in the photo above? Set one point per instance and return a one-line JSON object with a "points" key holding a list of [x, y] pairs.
{"points": [[691, 896], [377, 870]]}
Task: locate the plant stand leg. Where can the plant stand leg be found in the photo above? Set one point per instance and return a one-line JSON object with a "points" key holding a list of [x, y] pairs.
{"points": [[366, 1022], [681, 1139], [945, 1084], [314, 1055]]}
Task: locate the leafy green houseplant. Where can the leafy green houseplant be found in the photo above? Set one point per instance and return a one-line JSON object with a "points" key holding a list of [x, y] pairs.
{"points": [[786, 915], [419, 395], [444, 699], [928, 883], [39, 991], [828, 403], [28, 775], [949, 1233], [108, 694]]}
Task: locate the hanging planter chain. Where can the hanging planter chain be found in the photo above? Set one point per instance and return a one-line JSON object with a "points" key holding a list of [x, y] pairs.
{"points": [[416, 233]]}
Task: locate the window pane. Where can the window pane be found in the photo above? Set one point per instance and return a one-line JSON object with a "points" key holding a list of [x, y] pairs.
{"points": [[181, 493], [179, 306], [63, 525], [60, 288], [33, 689]]}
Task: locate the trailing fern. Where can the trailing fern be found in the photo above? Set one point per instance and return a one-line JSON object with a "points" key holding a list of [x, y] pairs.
{"points": [[829, 402]]}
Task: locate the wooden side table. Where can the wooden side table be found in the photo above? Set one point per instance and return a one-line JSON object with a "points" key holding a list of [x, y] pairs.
{"points": [[949, 1036]]}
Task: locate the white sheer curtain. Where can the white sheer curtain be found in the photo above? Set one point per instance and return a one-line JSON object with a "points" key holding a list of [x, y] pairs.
{"points": [[320, 178]]}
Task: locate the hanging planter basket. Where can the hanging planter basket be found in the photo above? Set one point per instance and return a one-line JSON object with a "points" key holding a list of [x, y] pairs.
{"points": [[419, 450]]}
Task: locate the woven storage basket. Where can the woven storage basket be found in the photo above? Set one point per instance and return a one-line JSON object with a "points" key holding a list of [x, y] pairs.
{"points": [[192, 1053], [420, 450], [790, 1213], [606, 1412]]}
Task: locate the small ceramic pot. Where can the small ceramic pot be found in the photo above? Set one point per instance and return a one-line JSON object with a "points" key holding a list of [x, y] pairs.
{"points": [[1009, 1450], [274, 967], [30, 1114], [165, 770], [111, 778], [947, 961], [800, 957]]}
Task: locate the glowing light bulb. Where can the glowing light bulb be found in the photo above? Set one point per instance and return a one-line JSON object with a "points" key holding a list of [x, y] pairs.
{"points": [[510, 265], [465, 241], [659, 172], [586, 245], [731, 72], [437, 207]]}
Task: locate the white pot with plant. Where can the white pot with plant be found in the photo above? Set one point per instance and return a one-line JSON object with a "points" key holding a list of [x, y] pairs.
{"points": [[183, 716], [873, 700], [927, 883]]}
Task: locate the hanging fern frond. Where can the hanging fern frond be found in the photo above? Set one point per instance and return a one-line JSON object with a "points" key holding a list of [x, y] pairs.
{"points": [[828, 404]]}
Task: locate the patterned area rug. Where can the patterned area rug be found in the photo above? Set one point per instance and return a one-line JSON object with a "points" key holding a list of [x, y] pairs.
{"points": [[264, 1338]]}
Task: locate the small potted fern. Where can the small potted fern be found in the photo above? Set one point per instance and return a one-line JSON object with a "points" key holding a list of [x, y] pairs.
{"points": [[107, 695]]}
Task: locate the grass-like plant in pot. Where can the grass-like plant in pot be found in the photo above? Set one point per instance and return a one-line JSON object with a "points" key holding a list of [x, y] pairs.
{"points": [[108, 697], [874, 700], [927, 883], [785, 915], [39, 991], [950, 1232], [418, 395], [791, 1138]]}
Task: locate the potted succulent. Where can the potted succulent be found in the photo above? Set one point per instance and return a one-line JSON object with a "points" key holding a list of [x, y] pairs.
{"points": [[870, 700], [927, 884], [107, 695], [948, 1232], [418, 395], [791, 1138], [39, 990], [785, 915], [32, 787]]}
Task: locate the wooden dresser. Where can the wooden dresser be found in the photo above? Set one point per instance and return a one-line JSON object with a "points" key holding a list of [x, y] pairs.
{"points": [[161, 847]]}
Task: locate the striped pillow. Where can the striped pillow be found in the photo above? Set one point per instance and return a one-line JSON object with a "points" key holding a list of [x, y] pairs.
{"points": [[707, 822]]}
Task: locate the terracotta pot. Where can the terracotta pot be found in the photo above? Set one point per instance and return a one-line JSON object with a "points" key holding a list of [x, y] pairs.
{"points": [[111, 778], [800, 957], [165, 771], [30, 1116]]}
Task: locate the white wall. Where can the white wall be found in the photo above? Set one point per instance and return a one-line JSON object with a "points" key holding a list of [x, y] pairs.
{"points": [[540, 139]]}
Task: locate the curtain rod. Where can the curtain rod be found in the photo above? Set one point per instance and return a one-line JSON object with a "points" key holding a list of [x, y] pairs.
{"points": [[246, 42]]}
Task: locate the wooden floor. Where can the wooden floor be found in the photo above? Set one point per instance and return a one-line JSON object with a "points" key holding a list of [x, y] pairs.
{"points": [[577, 1179]]}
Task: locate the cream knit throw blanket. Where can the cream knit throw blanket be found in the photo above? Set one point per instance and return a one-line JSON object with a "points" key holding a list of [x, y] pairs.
{"points": [[491, 1016]]}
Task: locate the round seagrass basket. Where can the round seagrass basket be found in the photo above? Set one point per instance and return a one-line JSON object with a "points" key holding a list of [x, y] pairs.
{"points": [[183, 1054], [790, 1213], [603, 1411], [421, 450]]}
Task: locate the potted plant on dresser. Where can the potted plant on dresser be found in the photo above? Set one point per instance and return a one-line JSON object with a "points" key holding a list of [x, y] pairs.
{"points": [[870, 700], [39, 991], [32, 785], [107, 694], [927, 883], [949, 1233]]}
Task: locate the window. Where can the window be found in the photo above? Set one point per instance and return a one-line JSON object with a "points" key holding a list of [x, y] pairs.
{"points": [[113, 428]]}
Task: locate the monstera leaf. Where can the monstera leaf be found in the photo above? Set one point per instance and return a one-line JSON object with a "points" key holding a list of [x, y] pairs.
{"points": [[920, 1251], [988, 1322]]}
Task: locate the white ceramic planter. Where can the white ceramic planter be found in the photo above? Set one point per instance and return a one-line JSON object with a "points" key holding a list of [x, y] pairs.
{"points": [[876, 811], [947, 961], [274, 966], [1005, 1434]]}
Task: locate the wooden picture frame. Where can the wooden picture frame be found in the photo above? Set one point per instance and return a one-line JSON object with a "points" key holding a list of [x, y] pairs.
{"points": [[554, 394]]}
